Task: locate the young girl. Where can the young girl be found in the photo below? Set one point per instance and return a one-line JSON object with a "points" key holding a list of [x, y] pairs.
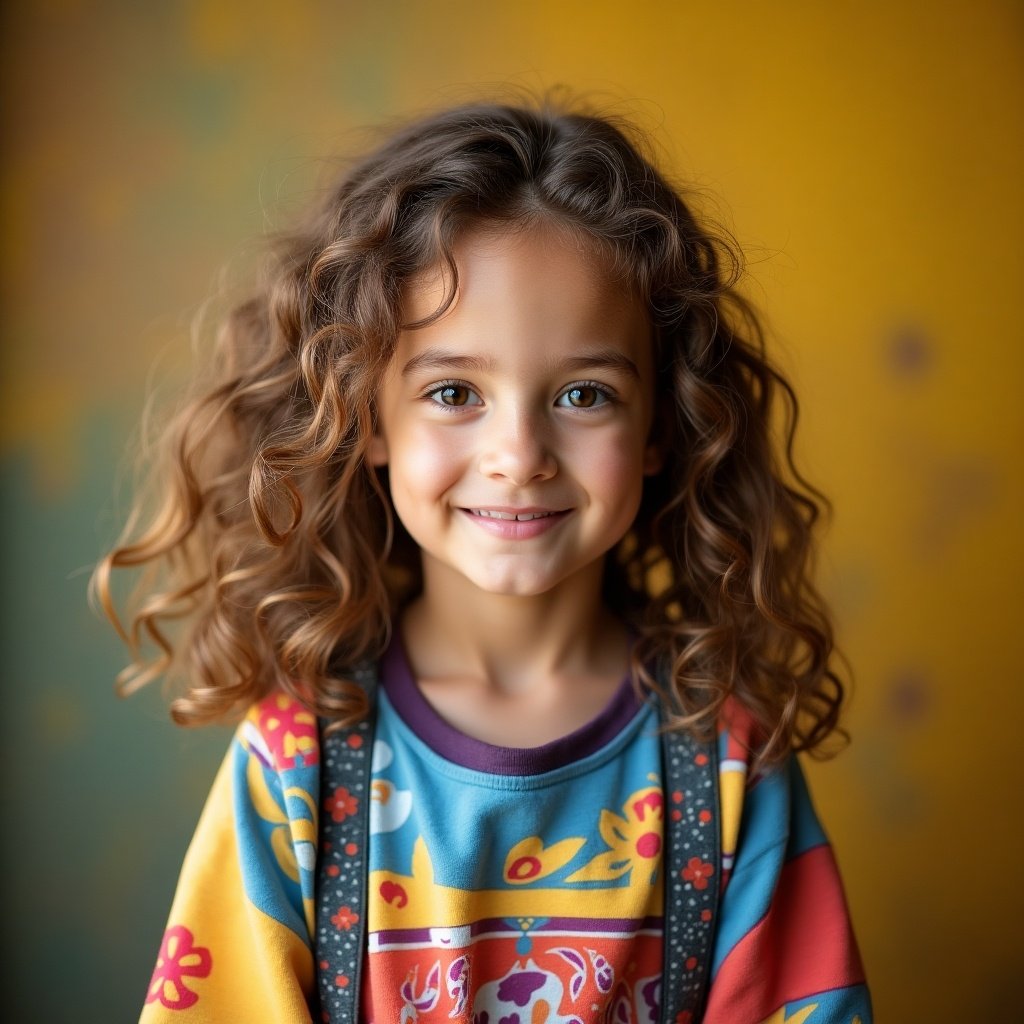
{"points": [[483, 534]]}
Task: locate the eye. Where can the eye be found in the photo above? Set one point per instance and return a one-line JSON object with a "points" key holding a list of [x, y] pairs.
{"points": [[585, 395], [452, 394]]}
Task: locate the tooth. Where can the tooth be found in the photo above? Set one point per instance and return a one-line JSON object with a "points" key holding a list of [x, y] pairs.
{"points": [[522, 517]]}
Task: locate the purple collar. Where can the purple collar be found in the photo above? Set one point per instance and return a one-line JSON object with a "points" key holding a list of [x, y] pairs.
{"points": [[447, 741]]}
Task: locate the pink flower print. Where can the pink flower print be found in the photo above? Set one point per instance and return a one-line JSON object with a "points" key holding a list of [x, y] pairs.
{"points": [[178, 959], [698, 872], [289, 731], [341, 804]]}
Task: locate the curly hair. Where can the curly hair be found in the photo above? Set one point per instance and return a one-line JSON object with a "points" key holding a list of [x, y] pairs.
{"points": [[264, 526]]}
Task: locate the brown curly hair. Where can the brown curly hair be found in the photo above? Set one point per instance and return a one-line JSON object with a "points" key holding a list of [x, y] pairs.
{"points": [[274, 538]]}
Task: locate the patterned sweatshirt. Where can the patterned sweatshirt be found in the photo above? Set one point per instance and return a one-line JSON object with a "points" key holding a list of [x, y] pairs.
{"points": [[505, 886]]}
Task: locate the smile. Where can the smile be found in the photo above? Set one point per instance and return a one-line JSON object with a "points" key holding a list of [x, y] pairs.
{"points": [[521, 517], [510, 524]]}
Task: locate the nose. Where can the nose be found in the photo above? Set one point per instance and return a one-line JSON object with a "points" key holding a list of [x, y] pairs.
{"points": [[517, 446]]}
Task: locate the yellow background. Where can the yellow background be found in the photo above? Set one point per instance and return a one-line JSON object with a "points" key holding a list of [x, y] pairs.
{"points": [[868, 156]]}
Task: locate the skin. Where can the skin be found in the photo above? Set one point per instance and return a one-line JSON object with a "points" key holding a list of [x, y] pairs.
{"points": [[533, 392]]}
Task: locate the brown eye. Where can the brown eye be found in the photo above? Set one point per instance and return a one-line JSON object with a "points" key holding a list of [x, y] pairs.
{"points": [[584, 396], [457, 395], [454, 396]]}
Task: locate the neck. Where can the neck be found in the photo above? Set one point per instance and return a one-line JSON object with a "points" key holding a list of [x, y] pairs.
{"points": [[455, 629]]}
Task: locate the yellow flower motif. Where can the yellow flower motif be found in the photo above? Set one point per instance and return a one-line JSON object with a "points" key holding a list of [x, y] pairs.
{"points": [[634, 841], [530, 859]]}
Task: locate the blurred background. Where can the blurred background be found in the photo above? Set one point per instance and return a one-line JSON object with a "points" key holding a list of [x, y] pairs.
{"points": [[869, 158]]}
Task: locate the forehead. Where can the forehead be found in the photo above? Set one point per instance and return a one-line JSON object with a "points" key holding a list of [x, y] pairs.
{"points": [[531, 291]]}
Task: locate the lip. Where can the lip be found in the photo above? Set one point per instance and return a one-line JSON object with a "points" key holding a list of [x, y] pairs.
{"points": [[516, 529]]}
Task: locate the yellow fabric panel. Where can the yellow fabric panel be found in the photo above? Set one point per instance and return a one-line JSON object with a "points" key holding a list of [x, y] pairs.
{"points": [[431, 905], [259, 970], [732, 789]]}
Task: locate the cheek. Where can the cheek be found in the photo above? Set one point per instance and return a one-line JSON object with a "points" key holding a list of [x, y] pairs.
{"points": [[426, 460], [613, 472], [616, 457]]}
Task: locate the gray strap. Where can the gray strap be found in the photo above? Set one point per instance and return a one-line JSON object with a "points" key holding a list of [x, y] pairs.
{"points": [[343, 863], [692, 872]]}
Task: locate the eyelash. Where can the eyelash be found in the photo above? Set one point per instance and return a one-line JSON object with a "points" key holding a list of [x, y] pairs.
{"points": [[607, 394]]}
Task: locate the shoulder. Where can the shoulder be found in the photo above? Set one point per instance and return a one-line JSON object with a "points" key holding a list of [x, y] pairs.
{"points": [[281, 732], [766, 810], [739, 736]]}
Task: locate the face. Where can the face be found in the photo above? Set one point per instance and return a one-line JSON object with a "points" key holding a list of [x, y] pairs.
{"points": [[516, 428]]}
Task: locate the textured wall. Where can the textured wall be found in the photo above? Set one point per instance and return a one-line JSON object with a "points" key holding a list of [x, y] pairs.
{"points": [[870, 160]]}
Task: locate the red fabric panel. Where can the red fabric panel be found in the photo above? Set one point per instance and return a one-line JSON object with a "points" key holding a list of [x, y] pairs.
{"points": [[803, 945]]}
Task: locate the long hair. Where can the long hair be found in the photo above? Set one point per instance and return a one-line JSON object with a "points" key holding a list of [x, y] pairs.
{"points": [[264, 527]]}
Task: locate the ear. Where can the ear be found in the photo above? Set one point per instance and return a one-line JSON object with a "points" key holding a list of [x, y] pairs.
{"points": [[377, 450]]}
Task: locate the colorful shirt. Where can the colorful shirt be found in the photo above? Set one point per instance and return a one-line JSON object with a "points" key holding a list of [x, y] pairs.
{"points": [[517, 884], [478, 847]]}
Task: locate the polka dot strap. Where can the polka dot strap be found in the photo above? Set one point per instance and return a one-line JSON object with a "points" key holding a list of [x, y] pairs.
{"points": [[692, 867], [343, 867]]}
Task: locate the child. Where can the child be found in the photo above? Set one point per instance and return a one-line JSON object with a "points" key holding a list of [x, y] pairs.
{"points": [[483, 489]]}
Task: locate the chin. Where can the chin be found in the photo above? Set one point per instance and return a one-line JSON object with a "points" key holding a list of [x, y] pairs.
{"points": [[515, 587]]}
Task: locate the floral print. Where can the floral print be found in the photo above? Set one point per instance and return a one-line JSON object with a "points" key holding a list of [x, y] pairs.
{"points": [[530, 860], [634, 841], [344, 918], [268, 822], [341, 804], [288, 730], [178, 959], [698, 872]]}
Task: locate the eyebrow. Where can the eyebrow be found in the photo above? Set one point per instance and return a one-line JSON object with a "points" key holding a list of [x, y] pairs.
{"points": [[441, 359]]}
